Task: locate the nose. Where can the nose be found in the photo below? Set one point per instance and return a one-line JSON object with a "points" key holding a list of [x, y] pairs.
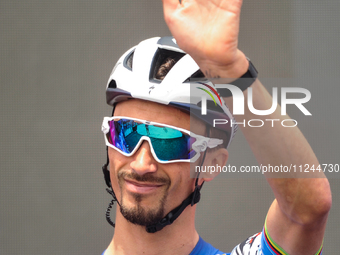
{"points": [[143, 161]]}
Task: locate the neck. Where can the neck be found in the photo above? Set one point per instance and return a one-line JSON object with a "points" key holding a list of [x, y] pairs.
{"points": [[178, 238]]}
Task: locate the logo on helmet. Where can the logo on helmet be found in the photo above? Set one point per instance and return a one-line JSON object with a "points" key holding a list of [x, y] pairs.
{"points": [[204, 102]]}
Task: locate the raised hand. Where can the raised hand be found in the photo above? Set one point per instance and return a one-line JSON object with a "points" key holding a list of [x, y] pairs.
{"points": [[208, 31]]}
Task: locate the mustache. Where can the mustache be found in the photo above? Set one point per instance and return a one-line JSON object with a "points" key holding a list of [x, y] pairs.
{"points": [[148, 177]]}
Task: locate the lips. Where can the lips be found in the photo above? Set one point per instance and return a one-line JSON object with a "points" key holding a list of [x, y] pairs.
{"points": [[142, 187]]}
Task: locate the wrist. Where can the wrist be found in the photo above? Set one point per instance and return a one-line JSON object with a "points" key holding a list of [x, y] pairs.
{"points": [[244, 78], [231, 71]]}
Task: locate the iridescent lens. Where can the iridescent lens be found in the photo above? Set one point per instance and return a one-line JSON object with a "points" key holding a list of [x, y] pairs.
{"points": [[168, 143]]}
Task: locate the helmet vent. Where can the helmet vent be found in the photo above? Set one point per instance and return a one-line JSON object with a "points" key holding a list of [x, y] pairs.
{"points": [[197, 76], [162, 57], [112, 84], [129, 61]]}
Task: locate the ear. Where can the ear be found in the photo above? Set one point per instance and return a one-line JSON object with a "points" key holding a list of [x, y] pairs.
{"points": [[215, 160]]}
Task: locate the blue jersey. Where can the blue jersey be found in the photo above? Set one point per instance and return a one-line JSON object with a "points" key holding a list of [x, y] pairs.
{"points": [[202, 247], [251, 245], [258, 244]]}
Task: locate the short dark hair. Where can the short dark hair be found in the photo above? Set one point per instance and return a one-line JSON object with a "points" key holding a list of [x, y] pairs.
{"points": [[165, 68]]}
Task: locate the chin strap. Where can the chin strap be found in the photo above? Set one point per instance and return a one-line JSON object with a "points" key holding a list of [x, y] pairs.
{"points": [[192, 199], [173, 215]]}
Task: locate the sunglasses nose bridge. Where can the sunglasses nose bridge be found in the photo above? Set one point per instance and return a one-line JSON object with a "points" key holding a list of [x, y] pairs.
{"points": [[143, 159], [147, 140]]}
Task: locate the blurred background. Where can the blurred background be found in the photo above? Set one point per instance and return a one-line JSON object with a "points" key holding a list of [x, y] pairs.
{"points": [[56, 57]]}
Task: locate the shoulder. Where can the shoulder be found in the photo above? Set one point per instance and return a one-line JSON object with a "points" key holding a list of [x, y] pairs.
{"points": [[202, 247], [260, 244], [250, 246]]}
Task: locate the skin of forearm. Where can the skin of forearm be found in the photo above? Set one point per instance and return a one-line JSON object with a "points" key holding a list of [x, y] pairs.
{"points": [[301, 199]]}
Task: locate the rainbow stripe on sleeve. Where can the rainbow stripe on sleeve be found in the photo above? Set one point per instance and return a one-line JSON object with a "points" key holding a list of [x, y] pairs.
{"points": [[274, 248]]}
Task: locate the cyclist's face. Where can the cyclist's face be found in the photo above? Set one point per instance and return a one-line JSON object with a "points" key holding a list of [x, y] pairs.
{"points": [[146, 189]]}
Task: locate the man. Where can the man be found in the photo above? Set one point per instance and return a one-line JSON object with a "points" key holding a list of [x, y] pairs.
{"points": [[151, 151]]}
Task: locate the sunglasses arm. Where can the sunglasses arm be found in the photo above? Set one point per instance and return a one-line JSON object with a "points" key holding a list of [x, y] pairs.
{"points": [[203, 143], [213, 142]]}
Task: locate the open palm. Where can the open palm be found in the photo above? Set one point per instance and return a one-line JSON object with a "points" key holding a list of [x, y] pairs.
{"points": [[206, 29]]}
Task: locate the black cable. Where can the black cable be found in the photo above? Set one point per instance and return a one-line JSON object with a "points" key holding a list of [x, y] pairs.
{"points": [[108, 214], [109, 190]]}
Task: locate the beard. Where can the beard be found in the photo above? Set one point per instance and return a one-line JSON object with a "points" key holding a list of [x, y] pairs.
{"points": [[138, 214], [141, 216]]}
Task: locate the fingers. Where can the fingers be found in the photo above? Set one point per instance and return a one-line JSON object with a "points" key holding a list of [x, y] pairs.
{"points": [[171, 4], [236, 6], [169, 7]]}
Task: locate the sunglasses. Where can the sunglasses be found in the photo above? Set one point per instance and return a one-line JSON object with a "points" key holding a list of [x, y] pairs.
{"points": [[168, 144]]}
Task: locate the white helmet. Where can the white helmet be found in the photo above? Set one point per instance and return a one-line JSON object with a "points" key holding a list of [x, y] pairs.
{"points": [[183, 87]]}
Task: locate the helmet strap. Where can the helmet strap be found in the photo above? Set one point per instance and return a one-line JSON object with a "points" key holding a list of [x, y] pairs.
{"points": [[109, 190], [192, 199]]}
